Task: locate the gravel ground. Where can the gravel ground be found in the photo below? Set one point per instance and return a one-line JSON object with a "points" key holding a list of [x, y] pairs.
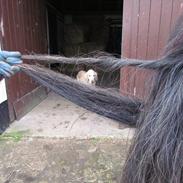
{"points": [[49, 160]]}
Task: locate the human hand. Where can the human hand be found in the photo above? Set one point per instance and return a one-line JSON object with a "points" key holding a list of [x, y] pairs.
{"points": [[9, 63]]}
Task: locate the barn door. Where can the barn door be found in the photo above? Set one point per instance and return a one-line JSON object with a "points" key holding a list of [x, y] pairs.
{"points": [[23, 24], [146, 27]]}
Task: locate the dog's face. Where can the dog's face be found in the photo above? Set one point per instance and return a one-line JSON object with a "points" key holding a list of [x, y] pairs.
{"points": [[92, 76]]}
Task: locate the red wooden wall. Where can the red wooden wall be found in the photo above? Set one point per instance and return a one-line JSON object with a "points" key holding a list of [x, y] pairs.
{"points": [[146, 28], [24, 23]]}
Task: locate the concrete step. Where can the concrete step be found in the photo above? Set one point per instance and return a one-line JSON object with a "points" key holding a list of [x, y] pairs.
{"points": [[57, 117]]}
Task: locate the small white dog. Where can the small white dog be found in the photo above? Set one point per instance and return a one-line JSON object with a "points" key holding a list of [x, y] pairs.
{"points": [[89, 77]]}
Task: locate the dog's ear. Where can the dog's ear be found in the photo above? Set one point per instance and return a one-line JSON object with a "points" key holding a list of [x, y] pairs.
{"points": [[96, 76]]}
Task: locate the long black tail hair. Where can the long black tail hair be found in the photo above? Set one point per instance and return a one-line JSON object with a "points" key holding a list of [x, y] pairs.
{"points": [[105, 102], [156, 153]]}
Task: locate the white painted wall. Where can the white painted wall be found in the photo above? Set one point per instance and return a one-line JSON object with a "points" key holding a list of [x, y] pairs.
{"points": [[3, 94]]}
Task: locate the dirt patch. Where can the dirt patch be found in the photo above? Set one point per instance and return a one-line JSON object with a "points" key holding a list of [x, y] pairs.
{"points": [[62, 161], [83, 118], [58, 105]]}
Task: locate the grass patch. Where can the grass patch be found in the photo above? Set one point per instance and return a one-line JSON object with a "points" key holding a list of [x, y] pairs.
{"points": [[95, 140], [15, 136]]}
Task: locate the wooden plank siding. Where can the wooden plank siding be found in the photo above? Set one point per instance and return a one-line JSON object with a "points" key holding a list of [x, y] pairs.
{"points": [[24, 24], [146, 28]]}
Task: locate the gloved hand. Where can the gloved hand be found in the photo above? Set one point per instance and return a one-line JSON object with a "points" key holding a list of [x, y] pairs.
{"points": [[9, 63]]}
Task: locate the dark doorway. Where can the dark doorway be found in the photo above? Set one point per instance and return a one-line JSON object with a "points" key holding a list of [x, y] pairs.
{"points": [[55, 25], [82, 27], [114, 40]]}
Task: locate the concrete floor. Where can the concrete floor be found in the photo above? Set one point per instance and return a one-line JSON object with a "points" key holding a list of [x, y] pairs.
{"points": [[57, 117]]}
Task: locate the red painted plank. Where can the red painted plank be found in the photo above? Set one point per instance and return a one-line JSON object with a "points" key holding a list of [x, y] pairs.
{"points": [[134, 28], [154, 25], [143, 31], [166, 16], [127, 7]]}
